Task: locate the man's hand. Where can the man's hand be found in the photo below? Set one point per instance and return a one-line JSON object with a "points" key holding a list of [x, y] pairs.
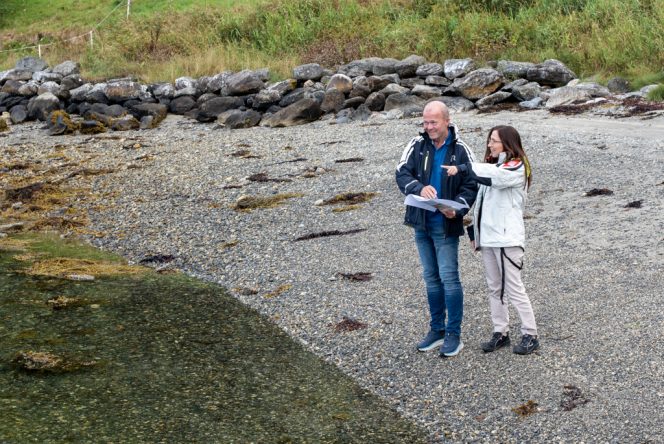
{"points": [[429, 192], [449, 213]]}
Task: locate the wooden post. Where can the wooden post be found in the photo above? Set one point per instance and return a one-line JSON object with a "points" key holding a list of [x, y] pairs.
{"points": [[39, 50], [91, 40], [128, 8]]}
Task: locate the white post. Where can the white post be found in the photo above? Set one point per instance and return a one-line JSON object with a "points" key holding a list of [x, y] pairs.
{"points": [[39, 50], [128, 7], [91, 40]]}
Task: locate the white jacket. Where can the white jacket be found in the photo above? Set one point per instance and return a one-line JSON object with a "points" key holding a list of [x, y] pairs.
{"points": [[498, 212]]}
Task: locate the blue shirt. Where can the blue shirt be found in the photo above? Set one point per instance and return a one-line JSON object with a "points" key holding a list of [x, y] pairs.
{"points": [[436, 179]]}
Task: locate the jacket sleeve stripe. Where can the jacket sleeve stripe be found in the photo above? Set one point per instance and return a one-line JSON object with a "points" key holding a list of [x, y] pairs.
{"points": [[407, 152], [409, 184], [469, 153]]}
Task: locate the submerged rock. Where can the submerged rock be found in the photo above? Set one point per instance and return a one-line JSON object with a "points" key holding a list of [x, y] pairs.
{"points": [[44, 362], [62, 302], [36, 361]]}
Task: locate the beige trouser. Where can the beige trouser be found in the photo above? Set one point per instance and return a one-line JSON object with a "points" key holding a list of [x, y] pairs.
{"points": [[514, 290]]}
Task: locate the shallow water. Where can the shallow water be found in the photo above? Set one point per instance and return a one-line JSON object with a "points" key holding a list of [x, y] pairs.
{"points": [[177, 360]]}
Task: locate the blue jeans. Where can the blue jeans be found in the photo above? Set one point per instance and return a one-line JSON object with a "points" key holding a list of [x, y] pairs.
{"points": [[439, 256]]}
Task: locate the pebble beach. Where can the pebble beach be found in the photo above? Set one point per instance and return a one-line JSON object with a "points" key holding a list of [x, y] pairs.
{"points": [[593, 264]]}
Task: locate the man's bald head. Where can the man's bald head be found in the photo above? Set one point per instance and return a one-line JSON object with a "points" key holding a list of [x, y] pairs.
{"points": [[436, 118], [437, 106]]}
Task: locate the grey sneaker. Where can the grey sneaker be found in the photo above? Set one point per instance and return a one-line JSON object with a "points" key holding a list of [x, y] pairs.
{"points": [[497, 341], [529, 344], [452, 345], [432, 340]]}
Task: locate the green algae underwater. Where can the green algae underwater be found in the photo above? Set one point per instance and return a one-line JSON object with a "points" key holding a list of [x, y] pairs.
{"points": [[137, 356]]}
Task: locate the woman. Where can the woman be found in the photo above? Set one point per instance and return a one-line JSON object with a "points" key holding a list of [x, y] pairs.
{"points": [[498, 231]]}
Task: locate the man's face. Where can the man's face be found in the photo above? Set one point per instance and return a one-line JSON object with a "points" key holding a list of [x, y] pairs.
{"points": [[435, 125]]}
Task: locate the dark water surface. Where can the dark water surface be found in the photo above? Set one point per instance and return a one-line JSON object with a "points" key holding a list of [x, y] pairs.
{"points": [[177, 360]]}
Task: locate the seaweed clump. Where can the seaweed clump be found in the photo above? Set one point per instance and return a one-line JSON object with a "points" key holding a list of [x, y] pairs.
{"points": [[349, 198], [92, 127], [349, 324], [599, 192], [60, 123], [244, 154], [263, 177], [358, 277], [572, 398], [279, 290], [346, 208], [63, 267], [526, 409], [248, 203], [637, 105], [329, 233]]}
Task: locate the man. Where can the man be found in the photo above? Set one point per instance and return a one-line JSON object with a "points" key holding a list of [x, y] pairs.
{"points": [[437, 233]]}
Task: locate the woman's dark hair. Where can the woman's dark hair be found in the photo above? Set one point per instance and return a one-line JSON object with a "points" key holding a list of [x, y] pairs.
{"points": [[512, 146]]}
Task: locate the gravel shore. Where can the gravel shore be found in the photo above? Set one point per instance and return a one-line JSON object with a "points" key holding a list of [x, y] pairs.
{"points": [[593, 267]]}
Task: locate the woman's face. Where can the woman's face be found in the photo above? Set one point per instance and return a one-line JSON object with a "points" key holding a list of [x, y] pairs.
{"points": [[495, 145]]}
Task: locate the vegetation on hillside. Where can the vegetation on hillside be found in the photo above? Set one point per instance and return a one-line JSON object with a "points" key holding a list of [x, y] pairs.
{"points": [[163, 40]]}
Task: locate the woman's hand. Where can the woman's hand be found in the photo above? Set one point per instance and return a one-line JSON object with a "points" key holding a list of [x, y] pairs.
{"points": [[452, 170]]}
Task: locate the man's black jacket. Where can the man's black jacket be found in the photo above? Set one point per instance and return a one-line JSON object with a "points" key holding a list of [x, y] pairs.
{"points": [[412, 176]]}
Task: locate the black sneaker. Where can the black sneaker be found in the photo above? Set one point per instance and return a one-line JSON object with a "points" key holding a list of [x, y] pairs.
{"points": [[497, 341], [529, 344]]}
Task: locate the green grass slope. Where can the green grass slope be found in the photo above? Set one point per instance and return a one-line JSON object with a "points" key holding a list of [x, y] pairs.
{"points": [[162, 40]]}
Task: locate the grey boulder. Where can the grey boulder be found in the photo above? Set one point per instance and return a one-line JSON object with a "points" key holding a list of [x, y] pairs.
{"points": [[550, 72], [408, 66], [409, 104], [122, 91], [513, 70], [243, 83], [340, 82], [31, 64], [492, 99], [309, 71], [40, 107], [303, 111], [67, 68], [430, 69], [454, 68], [234, 118], [479, 83]]}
